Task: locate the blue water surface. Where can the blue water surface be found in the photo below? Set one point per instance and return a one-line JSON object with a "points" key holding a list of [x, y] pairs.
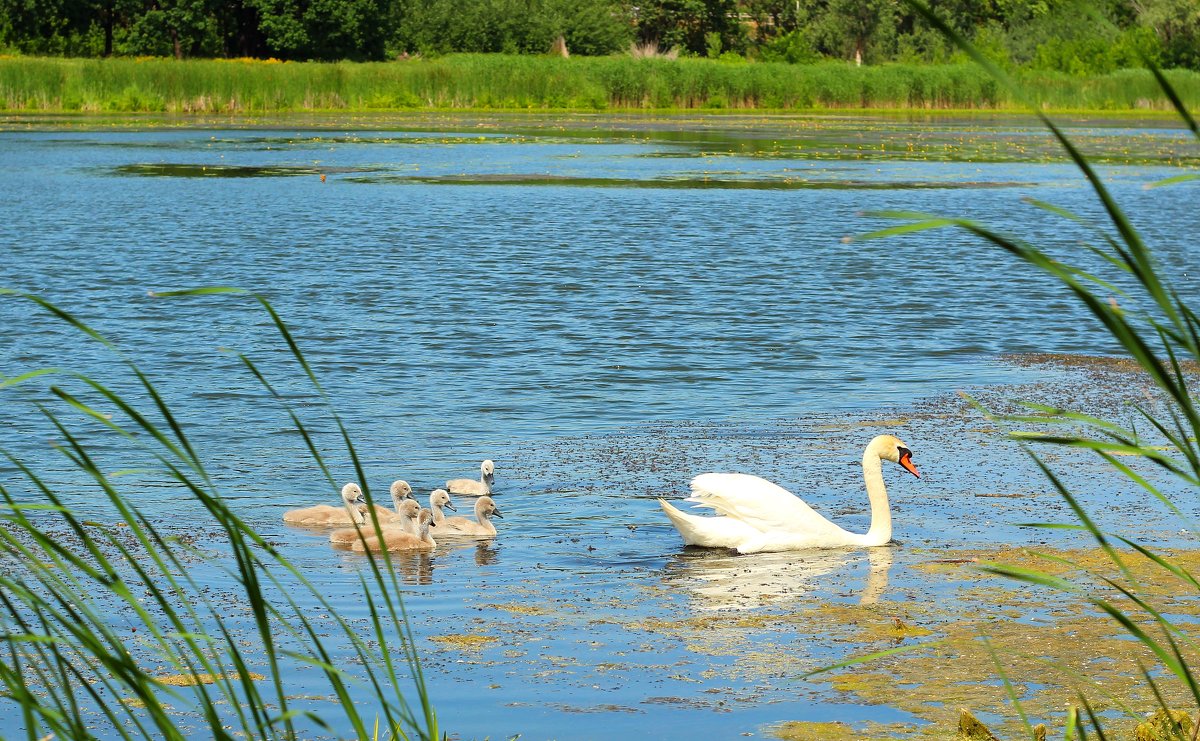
{"points": [[604, 310]]}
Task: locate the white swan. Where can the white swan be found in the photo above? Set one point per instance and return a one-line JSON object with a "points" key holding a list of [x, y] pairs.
{"points": [[485, 509], [400, 490], [404, 521], [760, 516], [439, 498], [472, 488], [324, 514], [396, 540]]}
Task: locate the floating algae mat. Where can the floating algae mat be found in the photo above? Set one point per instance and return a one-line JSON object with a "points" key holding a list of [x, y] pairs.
{"points": [[1048, 646], [178, 170], [684, 182]]}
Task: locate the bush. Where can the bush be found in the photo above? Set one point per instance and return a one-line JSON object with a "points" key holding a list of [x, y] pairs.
{"points": [[794, 48]]}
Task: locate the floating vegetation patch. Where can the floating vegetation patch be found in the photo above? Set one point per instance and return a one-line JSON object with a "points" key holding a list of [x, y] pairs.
{"points": [[521, 609], [681, 182], [1046, 645], [191, 680], [797, 730], [464, 642], [1091, 363], [168, 170]]}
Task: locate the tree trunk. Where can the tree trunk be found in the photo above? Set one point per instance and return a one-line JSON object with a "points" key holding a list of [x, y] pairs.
{"points": [[176, 44], [109, 11]]}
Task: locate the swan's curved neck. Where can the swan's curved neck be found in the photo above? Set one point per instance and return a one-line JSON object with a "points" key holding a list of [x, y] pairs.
{"points": [[881, 512], [485, 520], [355, 516]]}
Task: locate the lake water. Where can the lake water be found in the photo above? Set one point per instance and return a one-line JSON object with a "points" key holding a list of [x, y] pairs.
{"points": [[605, 307]]}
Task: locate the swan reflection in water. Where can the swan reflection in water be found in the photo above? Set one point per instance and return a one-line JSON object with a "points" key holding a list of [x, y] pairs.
{"points": [[722, 580]]}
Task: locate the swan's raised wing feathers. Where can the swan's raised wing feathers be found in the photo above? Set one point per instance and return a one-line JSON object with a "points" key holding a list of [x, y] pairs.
{"points": [[764, 506]]}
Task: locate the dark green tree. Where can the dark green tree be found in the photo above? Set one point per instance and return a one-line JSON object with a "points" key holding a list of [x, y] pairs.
{"points": [[1177, 24], [846, 28], [320, 29], [175, 28], [591, 27], [513, 26], [685, 24]]}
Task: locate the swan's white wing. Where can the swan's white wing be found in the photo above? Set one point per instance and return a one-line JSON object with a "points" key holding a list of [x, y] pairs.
{"points": [[764, 506], [710, 532]]}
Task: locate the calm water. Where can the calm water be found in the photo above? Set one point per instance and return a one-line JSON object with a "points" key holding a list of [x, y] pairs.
{"points": [[603, 307]]}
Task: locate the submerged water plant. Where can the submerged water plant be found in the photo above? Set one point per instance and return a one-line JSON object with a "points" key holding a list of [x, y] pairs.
{"points": [[108, 631]]}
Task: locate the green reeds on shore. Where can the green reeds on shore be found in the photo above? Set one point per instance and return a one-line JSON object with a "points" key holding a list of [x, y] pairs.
{"points": [[510, 82], [108, 629]]}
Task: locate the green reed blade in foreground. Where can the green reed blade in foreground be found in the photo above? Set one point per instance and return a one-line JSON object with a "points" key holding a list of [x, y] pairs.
{"points": [[1161, 335], [75, 669]]}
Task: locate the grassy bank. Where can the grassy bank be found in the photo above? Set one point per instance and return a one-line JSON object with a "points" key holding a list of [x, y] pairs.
{"points": [[524, 82]]}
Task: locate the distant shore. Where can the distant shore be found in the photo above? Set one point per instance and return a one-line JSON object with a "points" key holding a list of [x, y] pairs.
{"points": [[472, 82]]}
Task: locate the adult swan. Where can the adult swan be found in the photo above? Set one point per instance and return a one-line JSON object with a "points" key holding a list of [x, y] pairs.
{"points": [[759, 516]]}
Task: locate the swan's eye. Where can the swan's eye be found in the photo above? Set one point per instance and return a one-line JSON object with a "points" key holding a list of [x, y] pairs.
{"points": [[903, 451]]}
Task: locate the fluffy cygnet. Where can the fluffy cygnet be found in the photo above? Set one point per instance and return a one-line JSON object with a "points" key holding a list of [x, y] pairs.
{"points": [[324, 514], [485, 509], [472, 488]]}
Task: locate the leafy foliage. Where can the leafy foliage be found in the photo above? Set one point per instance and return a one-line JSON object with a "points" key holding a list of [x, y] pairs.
{"points": [[1039, 34]]}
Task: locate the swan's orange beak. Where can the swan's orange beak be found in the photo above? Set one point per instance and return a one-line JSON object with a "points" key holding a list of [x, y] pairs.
{"points": [[906, 461]]}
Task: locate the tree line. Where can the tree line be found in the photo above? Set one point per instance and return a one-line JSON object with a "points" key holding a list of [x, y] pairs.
{"points": [[1069, 35]]}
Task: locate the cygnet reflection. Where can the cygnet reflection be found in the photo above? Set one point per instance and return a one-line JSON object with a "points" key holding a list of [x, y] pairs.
{"points": [[414, 567], [484, 552]]}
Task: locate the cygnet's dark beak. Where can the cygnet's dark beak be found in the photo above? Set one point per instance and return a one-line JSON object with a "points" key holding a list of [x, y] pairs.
{"points": [[496, 513], [450, 507]]}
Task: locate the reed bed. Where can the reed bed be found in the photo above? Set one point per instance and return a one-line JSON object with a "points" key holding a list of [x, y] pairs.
{"points": [[511, 82]]}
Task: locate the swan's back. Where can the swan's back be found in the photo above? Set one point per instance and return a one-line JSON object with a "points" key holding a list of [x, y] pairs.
{"points": [[764, 506], [468, 487], [319, 514], [473, 488], [323, 514]]}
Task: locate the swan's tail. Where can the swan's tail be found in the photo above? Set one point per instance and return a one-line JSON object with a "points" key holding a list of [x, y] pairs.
{"points": [[710, 532], [679, 520]]}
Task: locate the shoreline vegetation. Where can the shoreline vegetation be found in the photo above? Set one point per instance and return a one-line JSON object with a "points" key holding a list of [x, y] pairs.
{"points": [[498, 82]]}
